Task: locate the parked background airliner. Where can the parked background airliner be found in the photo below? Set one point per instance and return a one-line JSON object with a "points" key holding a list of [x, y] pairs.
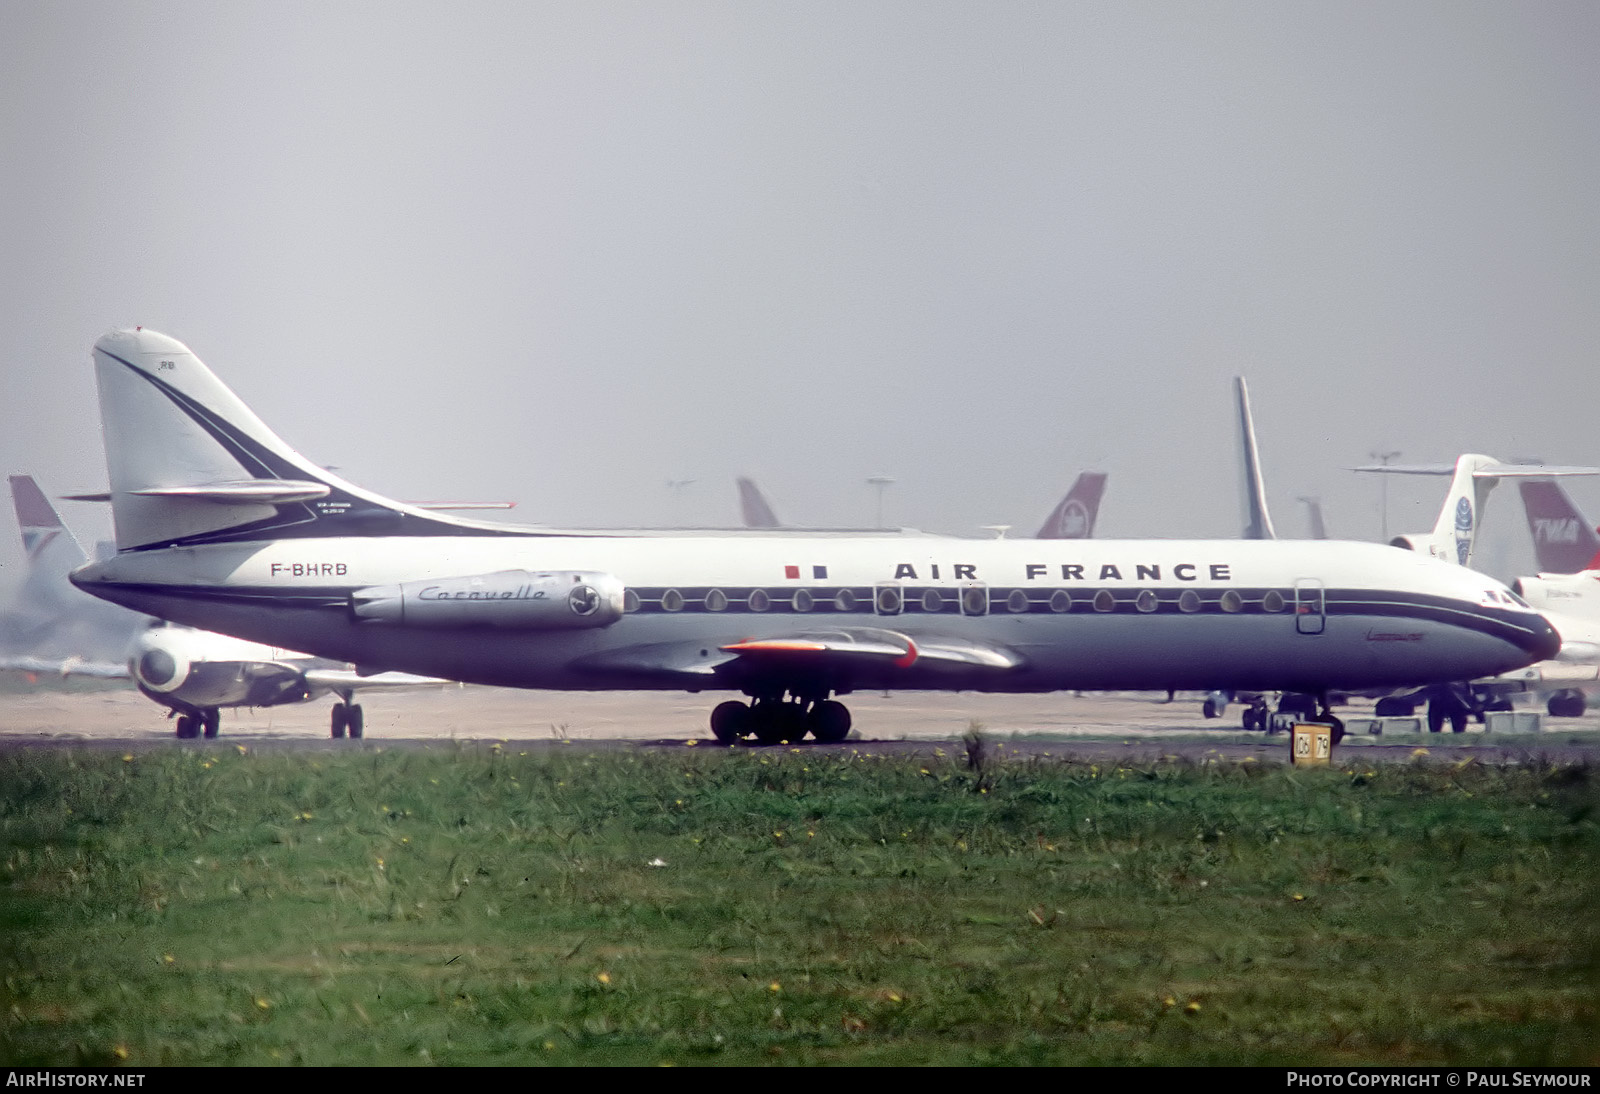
{"points": [[192, 673], [220, 524]]}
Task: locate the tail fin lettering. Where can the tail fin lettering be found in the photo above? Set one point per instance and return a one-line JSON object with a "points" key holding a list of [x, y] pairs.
{"points": [[1563, 542]]}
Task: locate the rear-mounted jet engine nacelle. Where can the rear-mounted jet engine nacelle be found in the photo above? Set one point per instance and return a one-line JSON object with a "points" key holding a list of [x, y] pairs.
{"points": [[520, 599], [159, 663]]}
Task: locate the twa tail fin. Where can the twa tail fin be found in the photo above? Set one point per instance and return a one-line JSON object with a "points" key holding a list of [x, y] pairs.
{"points": [[1563, 541], [191, 464], [753, 506], [1074, 516]]}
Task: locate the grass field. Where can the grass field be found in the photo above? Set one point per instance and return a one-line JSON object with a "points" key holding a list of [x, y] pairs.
{"points": [[476, 905]]}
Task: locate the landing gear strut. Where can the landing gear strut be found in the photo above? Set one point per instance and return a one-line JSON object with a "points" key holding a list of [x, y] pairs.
{"points": [[347, 717], [775, 720], [1292, 707], [191, 725]]}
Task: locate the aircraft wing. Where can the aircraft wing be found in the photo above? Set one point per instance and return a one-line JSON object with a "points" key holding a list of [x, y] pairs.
{"points": [[65, 666], [346, 680], [843, 657]]}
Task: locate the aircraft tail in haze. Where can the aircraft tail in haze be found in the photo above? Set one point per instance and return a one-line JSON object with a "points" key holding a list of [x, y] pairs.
{"points": [[1257, 519], [1563, 541], [1319, 530], [1473, 476], [753, 506], [1074, 516]]}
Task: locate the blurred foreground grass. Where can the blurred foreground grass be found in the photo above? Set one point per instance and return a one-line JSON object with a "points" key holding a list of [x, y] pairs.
{"points": [[467, 904]]}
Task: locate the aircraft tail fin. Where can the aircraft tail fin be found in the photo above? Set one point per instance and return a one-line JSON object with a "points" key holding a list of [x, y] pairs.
{"points": [[43, 534], [753, 506], [1257, 518], [1563, 542], [1473, 476], [191, 464], [1319, 530], [1074, 516]]}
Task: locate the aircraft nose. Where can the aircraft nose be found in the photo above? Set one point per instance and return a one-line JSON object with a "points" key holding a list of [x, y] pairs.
{"points": [[1543, 642]]}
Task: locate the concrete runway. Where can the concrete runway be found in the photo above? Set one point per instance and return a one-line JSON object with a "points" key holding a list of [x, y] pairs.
{"points": [[1062, 723]]}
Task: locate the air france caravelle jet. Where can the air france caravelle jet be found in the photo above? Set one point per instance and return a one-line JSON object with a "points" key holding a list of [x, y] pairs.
{"points": [[220, 524]]}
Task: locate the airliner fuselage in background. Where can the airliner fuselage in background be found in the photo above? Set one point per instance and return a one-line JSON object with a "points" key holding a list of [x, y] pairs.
{"points": [[222, 525]]}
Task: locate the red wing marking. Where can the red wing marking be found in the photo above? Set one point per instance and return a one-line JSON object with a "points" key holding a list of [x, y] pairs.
{"points": [[910, 657]]}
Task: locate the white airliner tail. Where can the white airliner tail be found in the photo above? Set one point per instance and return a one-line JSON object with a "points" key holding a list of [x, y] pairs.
{"points": [[189, 463], [754, 507], [52, 550], [1257, 520], [1473, 476]]}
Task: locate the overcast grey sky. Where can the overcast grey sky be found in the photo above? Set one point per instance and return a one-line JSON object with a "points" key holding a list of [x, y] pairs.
{"points": [[560, 253]]}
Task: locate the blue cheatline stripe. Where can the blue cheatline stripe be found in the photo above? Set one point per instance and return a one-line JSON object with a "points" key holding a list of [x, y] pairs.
{"points": [[1517, 628]]}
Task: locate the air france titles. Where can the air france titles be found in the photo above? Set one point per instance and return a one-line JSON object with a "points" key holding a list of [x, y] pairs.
{"points": [[1079, 571]]}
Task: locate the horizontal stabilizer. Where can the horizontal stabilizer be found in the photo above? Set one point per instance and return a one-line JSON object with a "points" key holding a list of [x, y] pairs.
{"points": [[242, 492], [1491, 471], [442, 506]]}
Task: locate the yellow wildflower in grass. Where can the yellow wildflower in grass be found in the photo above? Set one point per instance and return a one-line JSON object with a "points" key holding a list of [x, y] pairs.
{"points": [[1193, 1007], [263, 1003], [604, 978], [168, 959], [1169, 1002], [774, 986], [120, 1052], [127, 757]]}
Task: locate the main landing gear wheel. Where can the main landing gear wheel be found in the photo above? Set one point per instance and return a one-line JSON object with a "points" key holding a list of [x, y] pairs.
{"points": [[210, 722], [188, 727], [830, 721], [346, 718], [1566, 704], [779, 723], [730, 721], [1442, 708]]}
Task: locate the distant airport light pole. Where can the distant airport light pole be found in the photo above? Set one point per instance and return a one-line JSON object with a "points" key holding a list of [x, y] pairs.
{"points": [[1384, 458], [882, 482]]}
